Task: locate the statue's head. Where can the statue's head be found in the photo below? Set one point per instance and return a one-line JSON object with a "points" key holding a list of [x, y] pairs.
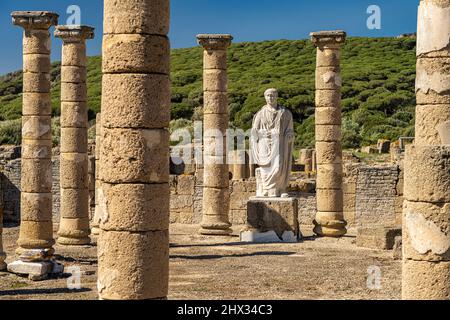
{"points": [[271, 96]]}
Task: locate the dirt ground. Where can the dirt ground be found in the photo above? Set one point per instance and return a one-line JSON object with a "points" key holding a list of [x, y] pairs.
{"points": [[222, 268]]}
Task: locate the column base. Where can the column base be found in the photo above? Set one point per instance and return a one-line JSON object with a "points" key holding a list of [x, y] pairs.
{"points": [[35, 254], [215, 232], [36, 271], [330, 224], [65, 241]]}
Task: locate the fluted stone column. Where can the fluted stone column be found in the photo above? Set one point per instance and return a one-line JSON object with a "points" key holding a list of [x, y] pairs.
{"points": [[95, 230], [74, 223], [133, 245], [329, 217], [426, 209], [36, 228], [216, 194]]}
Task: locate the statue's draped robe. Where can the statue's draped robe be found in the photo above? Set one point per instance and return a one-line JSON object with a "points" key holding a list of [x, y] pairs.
{"points": [[271, 144]]}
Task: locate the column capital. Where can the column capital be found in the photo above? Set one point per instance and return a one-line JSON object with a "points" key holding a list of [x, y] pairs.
{"points": [[74, 33], [214, 41], [328, 38], [34, 19]]}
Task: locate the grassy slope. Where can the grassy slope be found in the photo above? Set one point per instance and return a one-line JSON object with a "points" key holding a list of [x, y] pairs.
{"points": [[378, 86]]}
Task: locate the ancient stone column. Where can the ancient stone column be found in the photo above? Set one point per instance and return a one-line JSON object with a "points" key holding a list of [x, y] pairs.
{"points": [[133, 245], [216, 194], [36, 228], [95, 230], [426, 209], [329, 217], [74, 223]]}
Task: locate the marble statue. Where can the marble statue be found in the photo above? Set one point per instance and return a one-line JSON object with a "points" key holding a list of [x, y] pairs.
{"points": [[272, 141]]}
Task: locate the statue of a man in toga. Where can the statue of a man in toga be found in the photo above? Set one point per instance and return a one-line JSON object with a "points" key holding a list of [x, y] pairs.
{"points": [[272, 140]]}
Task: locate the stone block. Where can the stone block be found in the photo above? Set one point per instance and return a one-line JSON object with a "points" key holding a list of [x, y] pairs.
{"points": [[136, 53], [330, 200], [273, 214], [216, 201], [74, 203], [328, 57], [73, 92], [36, 104], [426, 231], [74, 54], [428, 178], [36, 63], [328, 98], [73, 74], [328, 132], [36, 149], [135, 155], [137, 16], [215, 80], [329, 176], [146, 106], [328, 116], [134, 207], [133, 265], [74, 170], [425, 280], [215, 59], [36, 206], [36, 175], [186, 184], [37, 42], [36, 127], [215, 102], [381, 238], [328, 152], [328, 78], [428, 119]]}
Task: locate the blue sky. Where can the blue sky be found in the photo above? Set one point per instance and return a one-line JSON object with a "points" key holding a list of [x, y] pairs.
{"points": [[246, 20]]}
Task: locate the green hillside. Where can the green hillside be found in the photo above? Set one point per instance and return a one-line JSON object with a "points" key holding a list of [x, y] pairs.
{"points": [[378, 87]]}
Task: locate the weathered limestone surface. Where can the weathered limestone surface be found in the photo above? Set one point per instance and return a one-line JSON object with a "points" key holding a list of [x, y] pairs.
{"points": [[133, 244], [216, 197], [426, 213], [330, 207], [36, 231], [74, 216], [381, 238]]}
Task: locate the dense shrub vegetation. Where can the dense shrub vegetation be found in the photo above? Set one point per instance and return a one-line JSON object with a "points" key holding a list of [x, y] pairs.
{"points": [[378, 87]]}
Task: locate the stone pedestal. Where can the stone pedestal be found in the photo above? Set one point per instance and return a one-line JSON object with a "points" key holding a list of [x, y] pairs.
{"points": [[74, 223], [216, 195], [133, 244], [271, 220], [36, 228], [330, 218], [426, 209]]}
